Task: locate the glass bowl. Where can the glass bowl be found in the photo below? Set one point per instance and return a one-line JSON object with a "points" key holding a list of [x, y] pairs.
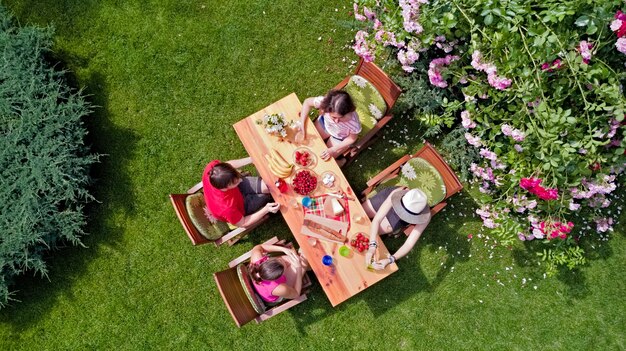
{"points": [[329, 180], [308, 180], [312, 159]]}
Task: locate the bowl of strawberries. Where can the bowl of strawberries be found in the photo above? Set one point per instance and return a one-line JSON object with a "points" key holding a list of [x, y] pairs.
{"points": [[304, 182], [360, 242], [304, 157]]}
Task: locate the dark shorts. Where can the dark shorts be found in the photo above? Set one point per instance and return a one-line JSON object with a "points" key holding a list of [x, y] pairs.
{"points": [[253, 198], [377, 200]]}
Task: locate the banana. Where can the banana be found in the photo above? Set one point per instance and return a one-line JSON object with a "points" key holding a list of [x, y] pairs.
{"points": [[281, 173], [274, 171], [272, 162], [277, 169], [279, 158]]}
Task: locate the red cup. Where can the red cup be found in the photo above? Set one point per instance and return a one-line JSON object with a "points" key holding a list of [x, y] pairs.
{"points": [[281, 185]]}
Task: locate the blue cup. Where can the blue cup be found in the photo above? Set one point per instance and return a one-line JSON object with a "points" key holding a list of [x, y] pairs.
{"points": [[306, 201], [327, 260]]}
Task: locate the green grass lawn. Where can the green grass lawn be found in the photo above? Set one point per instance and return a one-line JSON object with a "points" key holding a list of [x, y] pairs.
{"points": [[170, 78]]}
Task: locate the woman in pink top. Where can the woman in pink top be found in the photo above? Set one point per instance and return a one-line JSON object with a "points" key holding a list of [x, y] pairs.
{"points": [[338, 122], [276, 278]]}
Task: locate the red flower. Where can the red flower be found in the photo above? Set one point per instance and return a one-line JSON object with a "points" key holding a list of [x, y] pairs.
{"points": [[546, 194], [550, 67], [595, 166], [529, 183]]}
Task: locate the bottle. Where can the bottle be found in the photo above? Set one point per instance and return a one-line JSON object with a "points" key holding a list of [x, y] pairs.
{"points": [[281, 185]]}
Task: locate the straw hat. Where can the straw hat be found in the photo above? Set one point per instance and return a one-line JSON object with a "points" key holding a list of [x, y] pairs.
{"points": [[411, 206]]}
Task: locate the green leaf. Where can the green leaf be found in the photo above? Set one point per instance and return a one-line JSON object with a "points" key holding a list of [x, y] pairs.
{"points": [[582, 21], [488, 19], [571, 120], [592, 29]]}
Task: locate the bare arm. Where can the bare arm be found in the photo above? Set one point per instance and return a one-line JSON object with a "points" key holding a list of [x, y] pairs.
{"points": [[238, 163], [275, 248], [414, 236], [283, 290], [245, 221], [385, 207], [259, 250], [405, 248], [289, 292], [342, 146], [307, 105]]}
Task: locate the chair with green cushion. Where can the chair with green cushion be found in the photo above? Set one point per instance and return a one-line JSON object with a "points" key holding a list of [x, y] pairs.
{"points": [[425, 170], [374, 94], [241, 300], [199, 224]]}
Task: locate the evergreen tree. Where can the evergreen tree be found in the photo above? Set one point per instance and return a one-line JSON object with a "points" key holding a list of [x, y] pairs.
{"points": [[44, 163]]}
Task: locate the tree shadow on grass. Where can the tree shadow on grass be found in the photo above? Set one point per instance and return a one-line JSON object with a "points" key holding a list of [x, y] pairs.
{"points": [[112, 189], [410, 279], [443, 232]]}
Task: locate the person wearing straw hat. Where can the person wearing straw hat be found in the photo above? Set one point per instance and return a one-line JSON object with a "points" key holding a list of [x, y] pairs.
{"points": [[391, 210]]}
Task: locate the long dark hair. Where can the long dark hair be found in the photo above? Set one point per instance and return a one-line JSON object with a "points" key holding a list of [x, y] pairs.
{"points": [[271, 269], [223, 174], [337, 101]]}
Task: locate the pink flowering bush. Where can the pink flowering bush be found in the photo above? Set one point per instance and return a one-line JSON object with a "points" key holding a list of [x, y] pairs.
{"points": [[536, 88]]}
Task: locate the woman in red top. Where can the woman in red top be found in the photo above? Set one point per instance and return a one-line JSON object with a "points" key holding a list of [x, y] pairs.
{"points": [[233, 198]]}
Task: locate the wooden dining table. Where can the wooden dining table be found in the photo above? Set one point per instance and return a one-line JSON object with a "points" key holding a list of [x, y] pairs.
{"points": [[347, 275]]}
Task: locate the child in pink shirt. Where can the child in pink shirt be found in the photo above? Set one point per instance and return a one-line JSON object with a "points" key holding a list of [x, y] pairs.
{"points": [[276, 278]]}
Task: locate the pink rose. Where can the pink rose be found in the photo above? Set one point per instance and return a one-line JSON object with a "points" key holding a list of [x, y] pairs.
{"points": [[620, 44], [466, 121], [357, 15]]}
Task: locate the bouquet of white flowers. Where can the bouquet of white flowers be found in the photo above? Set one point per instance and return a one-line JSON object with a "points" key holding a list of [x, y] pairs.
{"points": [[275, 124]]}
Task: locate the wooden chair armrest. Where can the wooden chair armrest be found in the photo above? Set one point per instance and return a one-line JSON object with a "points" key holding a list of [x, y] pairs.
{"points": [[438, 207], [371, 188], [365, 140], [195, 188], [362, 142], [247, 255], [228, 236], [233, 236], [408, 229], [278, 309], [343, 83], [380, 176]]}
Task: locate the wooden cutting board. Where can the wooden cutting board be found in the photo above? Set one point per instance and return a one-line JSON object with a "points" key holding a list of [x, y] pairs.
{"points": [[341, 227]]}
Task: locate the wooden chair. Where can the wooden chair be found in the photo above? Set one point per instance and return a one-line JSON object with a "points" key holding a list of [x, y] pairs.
{"points": [[389, 92], [240, 300], [428, 153], [219, 231]]}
